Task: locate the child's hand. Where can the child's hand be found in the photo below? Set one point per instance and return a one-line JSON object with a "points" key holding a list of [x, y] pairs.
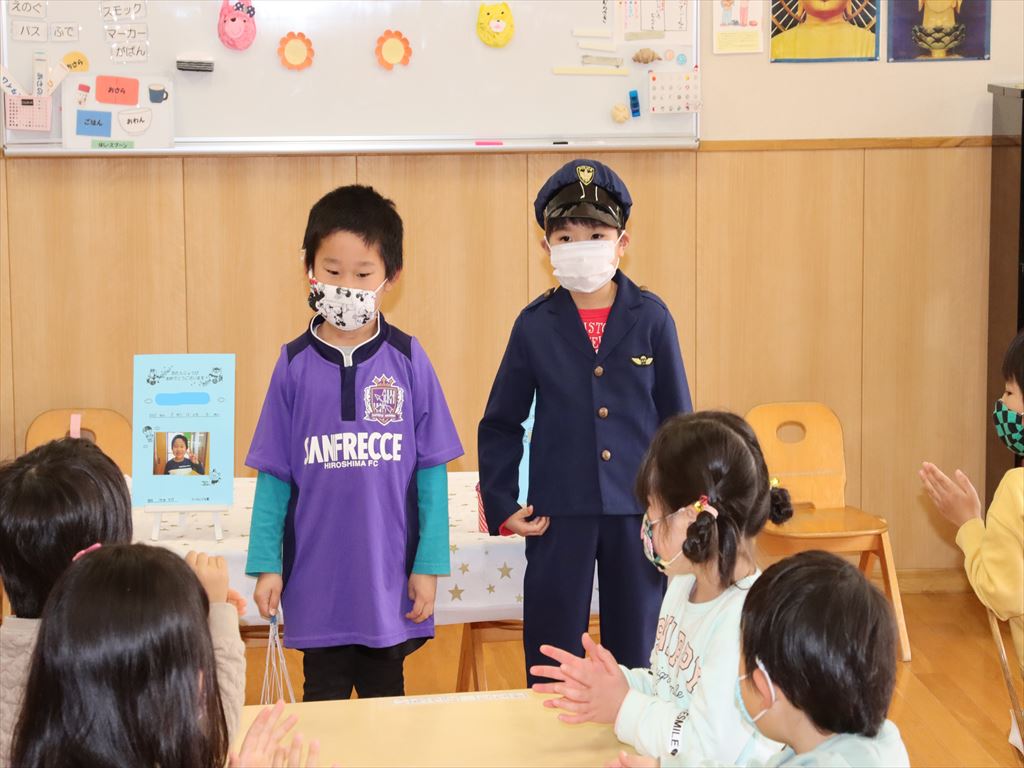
{"points": [[633, 761], [422, 592], [957, 501], [262, 746], [236, 599], [517, 523], [268, 593], [212, 573], [592, 688]]}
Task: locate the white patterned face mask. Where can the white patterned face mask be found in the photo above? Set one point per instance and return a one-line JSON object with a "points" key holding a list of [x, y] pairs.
{"points": [[347, 309]]}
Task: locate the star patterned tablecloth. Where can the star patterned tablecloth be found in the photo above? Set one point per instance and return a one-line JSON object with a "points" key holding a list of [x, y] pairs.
{"points": [[485, 583]]}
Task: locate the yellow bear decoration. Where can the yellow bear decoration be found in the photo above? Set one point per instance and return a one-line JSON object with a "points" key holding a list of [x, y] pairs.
{"points": [[494, 24]]}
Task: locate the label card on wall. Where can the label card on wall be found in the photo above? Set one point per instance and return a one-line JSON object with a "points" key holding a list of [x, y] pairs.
{"points": [[183, 430], [132, 112], [27, 114]]}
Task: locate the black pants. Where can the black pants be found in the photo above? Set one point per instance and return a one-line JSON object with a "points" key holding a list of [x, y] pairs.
{"points": [[331, 673]]}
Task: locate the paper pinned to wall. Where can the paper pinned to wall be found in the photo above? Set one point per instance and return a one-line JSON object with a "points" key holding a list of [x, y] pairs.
{"points": [[673, 91], [25, 113], [116, 112], [738, 27], [593, 18], [27, 9], [667, 20], [29, 31], [8, 84], [119, 10]]}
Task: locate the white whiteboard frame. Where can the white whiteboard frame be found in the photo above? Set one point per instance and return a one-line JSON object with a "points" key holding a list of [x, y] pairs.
{"points": [[320, 145], [337, 145]]}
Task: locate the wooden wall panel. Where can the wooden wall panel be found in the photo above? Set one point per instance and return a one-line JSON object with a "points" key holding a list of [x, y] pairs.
{"points": [[7, 447], [247, 288], [97, 258], [925, 299], [661, 252], [855, 277], [779, 244], [464, 279]]}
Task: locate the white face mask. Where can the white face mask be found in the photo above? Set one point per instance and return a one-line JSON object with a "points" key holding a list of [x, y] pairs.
{"points": [[347, 309], [584, 266]]}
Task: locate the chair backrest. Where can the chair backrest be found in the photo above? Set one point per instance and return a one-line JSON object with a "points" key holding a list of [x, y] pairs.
{"points": [[813, 468], [109, 429]]}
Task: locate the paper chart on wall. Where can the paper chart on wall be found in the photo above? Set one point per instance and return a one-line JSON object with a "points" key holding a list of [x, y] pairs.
{"points": [[660, 21], [117, 112], [737, 26], [594, 19]]}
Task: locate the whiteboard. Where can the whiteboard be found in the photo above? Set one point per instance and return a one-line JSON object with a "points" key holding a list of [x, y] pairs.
{"points": [[455, 94]]}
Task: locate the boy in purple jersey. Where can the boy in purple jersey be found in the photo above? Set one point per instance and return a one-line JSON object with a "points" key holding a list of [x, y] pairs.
{"points": [[350, 520]]}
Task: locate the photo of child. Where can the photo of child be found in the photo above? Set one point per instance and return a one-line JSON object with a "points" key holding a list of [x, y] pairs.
{"points": [[181, 453]]}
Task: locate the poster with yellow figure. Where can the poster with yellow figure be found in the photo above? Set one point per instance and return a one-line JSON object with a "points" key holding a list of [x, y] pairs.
{"points": [[824, 30], [494, 24], [939, 30]]}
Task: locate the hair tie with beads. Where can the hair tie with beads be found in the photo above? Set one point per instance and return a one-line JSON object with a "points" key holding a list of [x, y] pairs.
{"points": [[703, 505]]}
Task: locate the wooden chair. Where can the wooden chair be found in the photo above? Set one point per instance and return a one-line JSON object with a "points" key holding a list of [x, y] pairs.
{"points": [[1016, 708], [109, 430], [472, 670], [813, 470]]}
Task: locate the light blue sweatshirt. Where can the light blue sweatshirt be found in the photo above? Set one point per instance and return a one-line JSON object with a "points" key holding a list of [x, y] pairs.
{"points": [[844, 750]]}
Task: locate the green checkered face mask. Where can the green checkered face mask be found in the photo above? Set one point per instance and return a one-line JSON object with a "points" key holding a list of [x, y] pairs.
{"points": [[1009, 427]]}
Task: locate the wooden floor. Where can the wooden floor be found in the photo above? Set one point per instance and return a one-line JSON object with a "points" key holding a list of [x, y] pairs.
{"points": [[950, 703]]}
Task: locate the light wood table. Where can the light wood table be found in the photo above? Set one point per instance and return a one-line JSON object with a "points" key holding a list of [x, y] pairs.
{"points": [[497, 728]]}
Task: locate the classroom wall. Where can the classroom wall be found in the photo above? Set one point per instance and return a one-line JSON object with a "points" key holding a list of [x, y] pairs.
{"points": [[853, 276], [746, 97]]}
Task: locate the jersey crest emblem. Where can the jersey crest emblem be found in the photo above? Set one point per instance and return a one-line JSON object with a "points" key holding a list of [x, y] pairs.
{"points": [[383, 400]]}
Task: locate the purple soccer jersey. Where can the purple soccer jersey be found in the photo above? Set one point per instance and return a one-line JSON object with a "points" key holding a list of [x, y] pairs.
{"points": [[349, 441]]}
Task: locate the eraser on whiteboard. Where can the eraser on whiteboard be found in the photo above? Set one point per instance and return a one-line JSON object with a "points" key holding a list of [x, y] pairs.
{"points": [[195, 65]]}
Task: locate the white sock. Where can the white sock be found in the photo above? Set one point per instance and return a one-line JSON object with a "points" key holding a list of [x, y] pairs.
{"points": [[1015, 734]]}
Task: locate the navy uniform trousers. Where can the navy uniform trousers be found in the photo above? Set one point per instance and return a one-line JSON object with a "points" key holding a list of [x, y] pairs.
{"points": [[557, 589]]}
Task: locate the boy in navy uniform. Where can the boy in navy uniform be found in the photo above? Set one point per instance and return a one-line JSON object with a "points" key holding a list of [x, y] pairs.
{"points": [[602, 358]]}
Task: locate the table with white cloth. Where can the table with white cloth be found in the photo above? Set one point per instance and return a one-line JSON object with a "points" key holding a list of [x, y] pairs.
{"points": [[485, 581]]}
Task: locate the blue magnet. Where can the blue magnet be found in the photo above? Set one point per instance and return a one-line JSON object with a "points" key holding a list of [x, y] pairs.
{"points": [[634, 103]]}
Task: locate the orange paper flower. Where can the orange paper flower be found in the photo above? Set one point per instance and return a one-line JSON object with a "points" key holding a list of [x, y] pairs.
{"points": [[392, 49], [295, 51]]}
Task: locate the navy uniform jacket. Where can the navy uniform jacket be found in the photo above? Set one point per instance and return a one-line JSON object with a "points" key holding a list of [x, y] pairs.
{"points": [[596, 412]]}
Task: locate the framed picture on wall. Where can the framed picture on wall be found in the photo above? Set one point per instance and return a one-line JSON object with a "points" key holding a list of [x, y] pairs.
{"points": [[939, 30], [183, 430], [824, 30]]}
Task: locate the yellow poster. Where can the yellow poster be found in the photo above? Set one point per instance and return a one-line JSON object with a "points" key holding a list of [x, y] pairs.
{"points": [[824, 30]]}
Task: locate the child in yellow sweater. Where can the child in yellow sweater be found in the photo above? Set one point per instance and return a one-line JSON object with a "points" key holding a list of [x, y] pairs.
{"points": [[994, 546]]}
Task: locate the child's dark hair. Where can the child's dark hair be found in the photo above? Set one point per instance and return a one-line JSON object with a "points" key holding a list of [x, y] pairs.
{"points": [[713, 454], [1013, 362], [56, 500], [180, 437], [552, 224], [827, 638], [123, 671], [362, 211]]}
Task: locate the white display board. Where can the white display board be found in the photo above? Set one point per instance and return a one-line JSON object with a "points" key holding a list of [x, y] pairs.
{"points": [[455, 92]]}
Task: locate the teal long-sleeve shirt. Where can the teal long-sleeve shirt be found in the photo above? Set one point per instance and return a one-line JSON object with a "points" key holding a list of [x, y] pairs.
{"points": [[270, 506]]}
